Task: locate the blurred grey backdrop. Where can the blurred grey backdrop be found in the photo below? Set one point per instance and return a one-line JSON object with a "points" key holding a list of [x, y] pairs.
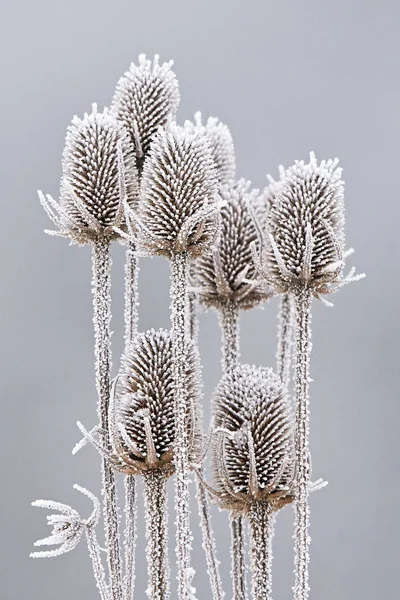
{"points": [[287, 77]]}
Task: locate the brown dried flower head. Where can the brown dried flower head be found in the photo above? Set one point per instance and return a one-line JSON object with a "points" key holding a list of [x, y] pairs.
{"points": [[222, 147], [304, 245], [99, 176], [227, 272], [253, 445], [146, 97], [179, 203], [142, 423]]}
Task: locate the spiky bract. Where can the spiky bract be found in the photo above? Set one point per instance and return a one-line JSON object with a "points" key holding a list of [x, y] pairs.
{"points": [[99, 176], [222, 147], [143, 425], [253, 447], [178, 210], [227, 273], [146, 97]]}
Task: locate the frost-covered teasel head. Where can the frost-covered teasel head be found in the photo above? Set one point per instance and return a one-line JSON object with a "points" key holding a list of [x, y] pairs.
{"points": [[98, 177], [227, 272], [179, 203], [222, 147], [253, 443], [146, 97], [68, 525], [142, 418], [304, 245]]}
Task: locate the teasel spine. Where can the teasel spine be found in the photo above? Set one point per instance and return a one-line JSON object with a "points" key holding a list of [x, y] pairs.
{"points": [[179, 268], [302, 374], [285, 338], [229, 320], [262, 521], [101, 319], [155, 494]]}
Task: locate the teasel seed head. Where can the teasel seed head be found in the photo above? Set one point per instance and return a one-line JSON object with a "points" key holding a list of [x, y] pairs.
{"points": [[179, 204], [304, 242], [146, 97], [142, 421], [99, 179], [222, 147], [227, 272], [253, 441]]}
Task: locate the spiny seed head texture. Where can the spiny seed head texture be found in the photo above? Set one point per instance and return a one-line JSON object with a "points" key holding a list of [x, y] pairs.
{"points": [[227, 273], [144, 430], [146, 97], [253, 447], [178, 209], [222, 147], [305, 243], [90, 201]]}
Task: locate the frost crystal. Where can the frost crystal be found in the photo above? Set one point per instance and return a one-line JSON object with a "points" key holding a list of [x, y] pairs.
{"points": [[179, 202], [222, 147]]}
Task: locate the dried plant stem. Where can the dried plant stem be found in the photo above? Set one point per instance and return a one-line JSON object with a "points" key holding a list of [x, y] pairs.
{"points": [[209, 542], [131, 326], [155, 494], [179, 266], [303, 349], [193, 317], [229, 321], [101, 319], [238, 562], [98, 568], [285, 338], [262, 522]]}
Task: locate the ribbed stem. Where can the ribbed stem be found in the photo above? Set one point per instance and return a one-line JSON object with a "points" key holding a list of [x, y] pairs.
{"points": [[229, 321], [237, 555], [155, 495], [193, 317], [101, 319], [131, 326], [181, 459], [262, 522], [303, 349], [97, 565], [285, 338], [209, 542]]}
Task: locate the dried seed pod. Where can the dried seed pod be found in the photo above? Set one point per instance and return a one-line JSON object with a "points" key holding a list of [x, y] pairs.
{"points": [[222, 147], [146, 97], [253, 447], [178, 209], [305, 239], [142, 419], [99, 174], [227, 273]]}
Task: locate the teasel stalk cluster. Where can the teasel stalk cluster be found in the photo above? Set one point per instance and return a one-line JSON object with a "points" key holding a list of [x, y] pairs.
{"points": [[131, 174]]}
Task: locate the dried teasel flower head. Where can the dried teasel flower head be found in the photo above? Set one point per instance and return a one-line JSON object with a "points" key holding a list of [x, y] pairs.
{"points": [[142, 418], [222, 147], [304, 245], [179, 204], [146, 97], [99, 178], [253, 440], [68, 525], [227, 272]]}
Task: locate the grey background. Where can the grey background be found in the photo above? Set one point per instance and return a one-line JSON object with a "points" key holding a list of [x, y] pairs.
{"points": [[287, 77]]}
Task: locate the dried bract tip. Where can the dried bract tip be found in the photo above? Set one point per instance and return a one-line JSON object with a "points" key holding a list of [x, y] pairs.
{"points": [[142, 417], [304, 242], [68, 526], [222, 147], [179, 205], [227, 273], [99, 179], [253, 440], [146, 97]]}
